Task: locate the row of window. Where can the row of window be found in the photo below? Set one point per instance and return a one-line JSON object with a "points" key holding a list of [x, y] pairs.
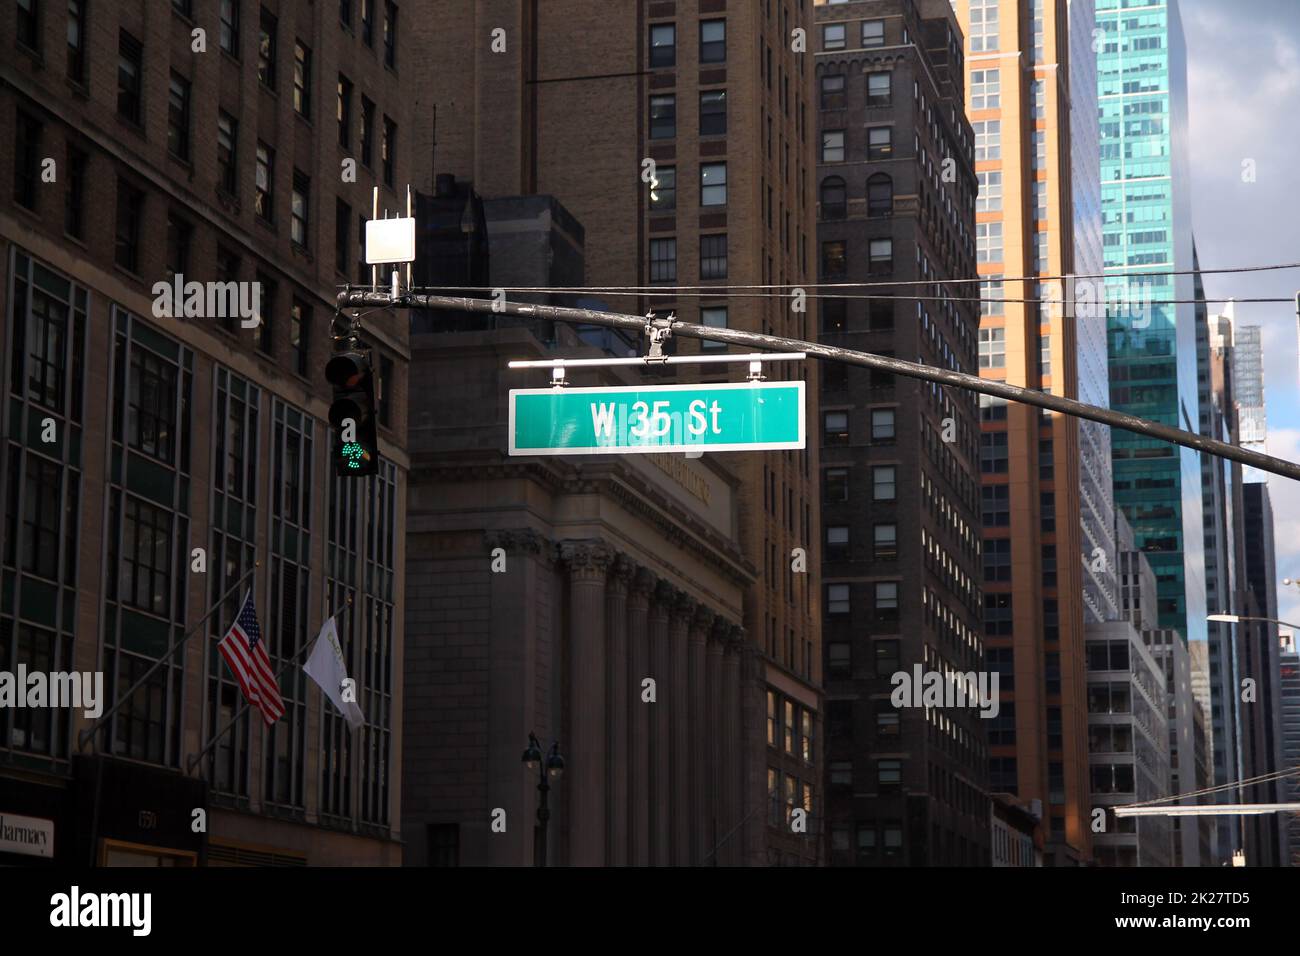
{"points": [[713, 114], [713, 259], [663, 43], [790, 727]]}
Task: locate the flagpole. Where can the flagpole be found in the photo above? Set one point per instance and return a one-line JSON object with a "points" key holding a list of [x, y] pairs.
{"points": [[93, 728], [193, 759]]}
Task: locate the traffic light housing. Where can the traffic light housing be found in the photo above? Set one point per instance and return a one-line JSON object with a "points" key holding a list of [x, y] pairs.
{"points": [[353, 413]]}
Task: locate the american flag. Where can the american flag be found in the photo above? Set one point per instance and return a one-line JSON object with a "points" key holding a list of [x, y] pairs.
{"points": [[245, 652]]}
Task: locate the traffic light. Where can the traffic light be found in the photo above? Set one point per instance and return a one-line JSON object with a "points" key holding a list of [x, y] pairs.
{"points": [[356, 448]]}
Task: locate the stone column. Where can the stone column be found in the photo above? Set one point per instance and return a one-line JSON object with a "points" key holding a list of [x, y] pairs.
{"points": [[732, 746], [584, 781], [716, 825], [700, 732], [638, 668], [677, 702], [660, 735], [616, 697], [513, 706]]}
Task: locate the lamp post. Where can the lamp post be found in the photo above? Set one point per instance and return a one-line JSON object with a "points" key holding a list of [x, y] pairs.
{"points": [[548, 769], [1236, 618]]}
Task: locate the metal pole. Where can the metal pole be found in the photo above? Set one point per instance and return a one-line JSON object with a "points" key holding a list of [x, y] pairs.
{"points": [[543, 815], [1015, 393], [90, 731], [192, 760]]}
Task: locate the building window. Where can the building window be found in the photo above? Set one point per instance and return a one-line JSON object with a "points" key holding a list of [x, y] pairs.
{"points": [[833, 198], [1046, 460], [663, 188], [889, 774], [833, 36], [989, 198], [833, 146], [714, 317], [368, 22], [145, 557], [834, 315], [835, 484], [265, 313], [266, 49], [388, 150], [178, 117], [991, 296], [880, 315], [771, 719], [880, 195], [882, 256], [390, 34], [227, 151], [663, 260], [985, 90], [993, 453], [713, 256], [839, 662], [130, 209], [835, 430], [997, 559], [887, 612], [988, 139], [837, 599], [983, 25], [367, 131], [184, 7], [1044, 354], [885, 542], [264, 183], [713, 113], [74, 198], [837, 542], [663, 117], [713, 41], [884, 483], [151, 405], [27, 160], [833, 94], [996, 506], [879, 142], [344, 111], [299, 207], [42, 493], [988, 242], [713, 184], [179, 235], [663, 45], [302, 79], [873, 33], [129, 56], [29, 24], [229, 17], [878, 89], [76, 41], [834, 259], [300, 334], [993, 348], [882, 425]]}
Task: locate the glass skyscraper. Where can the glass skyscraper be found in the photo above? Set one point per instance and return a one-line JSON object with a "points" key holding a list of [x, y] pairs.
{"points": [[1146, 228]]}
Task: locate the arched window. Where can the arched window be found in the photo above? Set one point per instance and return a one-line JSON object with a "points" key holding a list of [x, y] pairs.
{"points": [[880, 195], [833, 198]]}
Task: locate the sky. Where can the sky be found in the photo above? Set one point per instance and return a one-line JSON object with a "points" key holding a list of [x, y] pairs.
{"points": [[1243, 65]]}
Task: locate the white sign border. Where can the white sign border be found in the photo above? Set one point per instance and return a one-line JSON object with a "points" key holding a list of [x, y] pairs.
{"points": [[801, 442]]}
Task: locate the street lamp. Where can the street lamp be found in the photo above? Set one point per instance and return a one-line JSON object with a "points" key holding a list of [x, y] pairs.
{"points": [[1236, 618], [548, 769]]}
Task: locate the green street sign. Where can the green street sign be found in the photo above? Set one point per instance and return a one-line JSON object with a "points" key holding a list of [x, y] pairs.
{"points": [[742, 416]]}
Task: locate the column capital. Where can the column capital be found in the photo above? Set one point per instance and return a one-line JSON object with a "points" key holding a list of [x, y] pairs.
{"points": [[587, 560], [642, 585], [735, 639], [683, 606], [718, 633], [622, 571], [702, 622], [517, 541], [665, 595]]}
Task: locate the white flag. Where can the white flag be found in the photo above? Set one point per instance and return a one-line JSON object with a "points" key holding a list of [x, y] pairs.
{"points": [[326, 668]]}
